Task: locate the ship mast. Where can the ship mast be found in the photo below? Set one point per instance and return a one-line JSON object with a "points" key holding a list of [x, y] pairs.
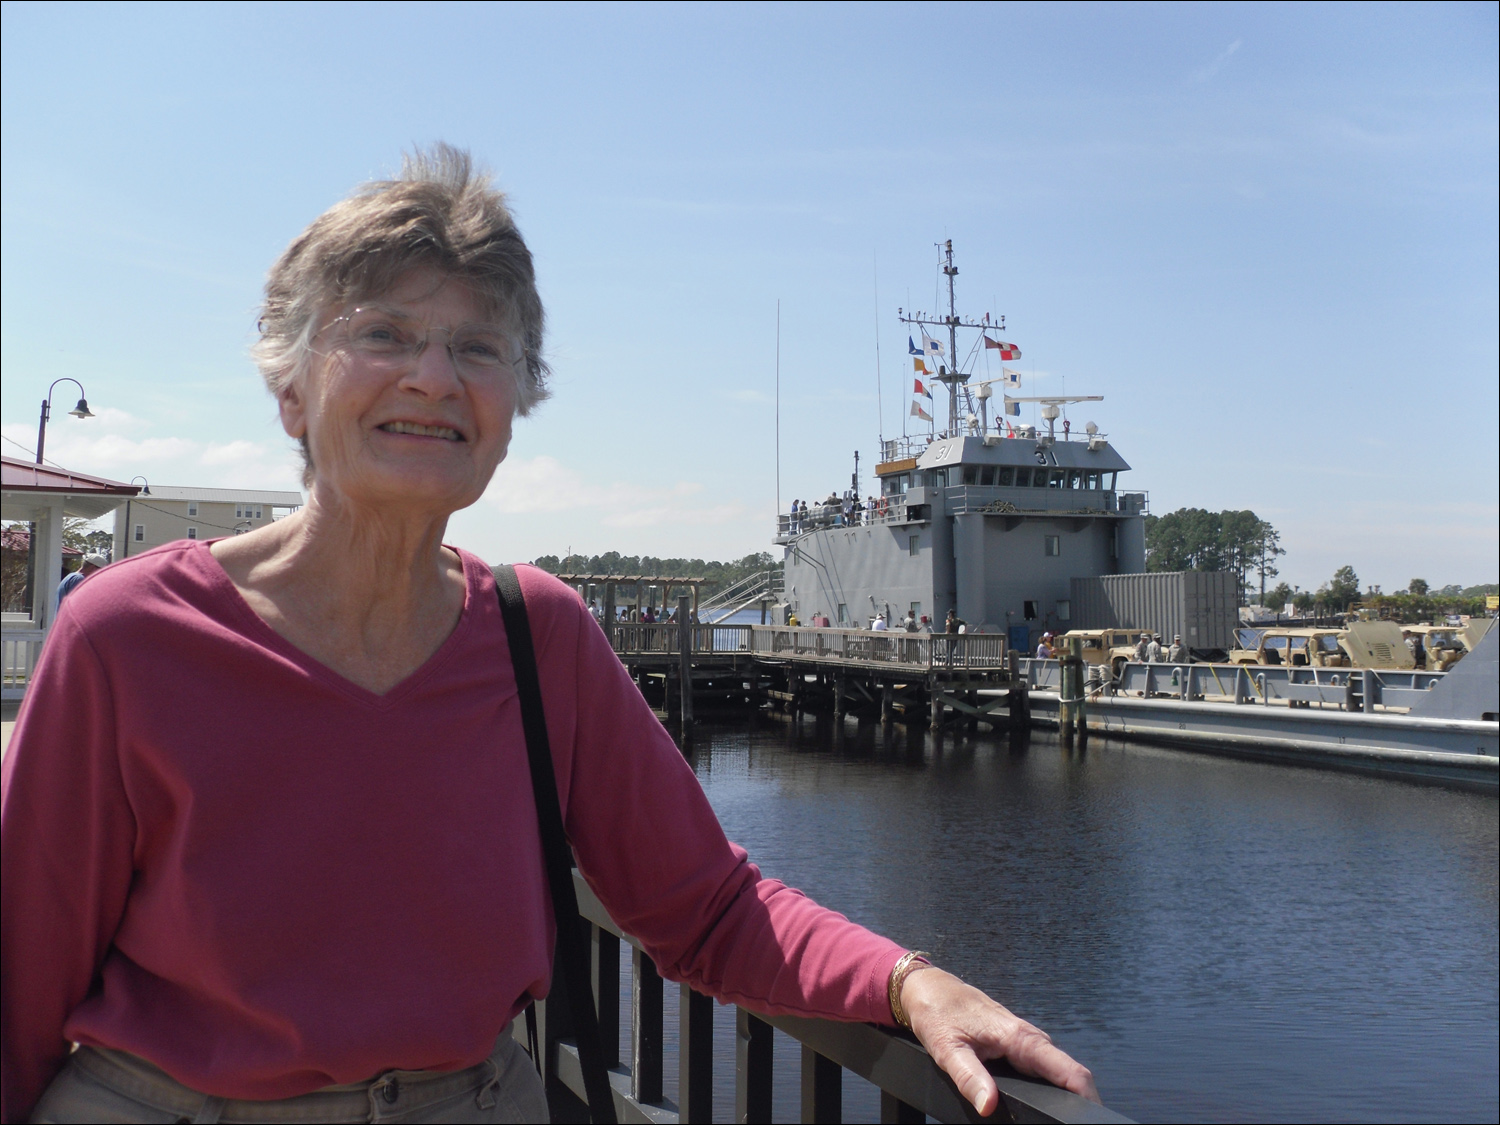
{"points": [[948, 373]]}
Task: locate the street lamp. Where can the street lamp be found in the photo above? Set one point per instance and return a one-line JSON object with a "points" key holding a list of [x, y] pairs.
{"points": [[79, 411]]}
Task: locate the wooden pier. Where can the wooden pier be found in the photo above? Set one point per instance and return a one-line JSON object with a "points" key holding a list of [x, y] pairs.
{"points": [[843, 671]]}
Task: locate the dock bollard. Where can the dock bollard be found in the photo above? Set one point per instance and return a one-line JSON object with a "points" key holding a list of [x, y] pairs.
{"points": [[1080, 695]]}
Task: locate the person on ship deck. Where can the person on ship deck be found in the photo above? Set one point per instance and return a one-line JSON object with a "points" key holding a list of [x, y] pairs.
{"points": [[275, 919]]}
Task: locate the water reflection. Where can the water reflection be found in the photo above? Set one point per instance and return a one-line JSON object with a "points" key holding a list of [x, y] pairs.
{"points": [[1218, 939]]}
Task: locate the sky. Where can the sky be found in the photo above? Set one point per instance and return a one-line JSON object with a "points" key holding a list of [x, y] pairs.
{"points": [[1266, 234]]}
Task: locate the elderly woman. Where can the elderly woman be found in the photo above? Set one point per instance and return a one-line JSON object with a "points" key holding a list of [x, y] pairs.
{"points": [[271, 850]]}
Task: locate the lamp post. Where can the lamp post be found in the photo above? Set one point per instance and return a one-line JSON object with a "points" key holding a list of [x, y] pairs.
{"points": [[145, 491], [79, 411]]}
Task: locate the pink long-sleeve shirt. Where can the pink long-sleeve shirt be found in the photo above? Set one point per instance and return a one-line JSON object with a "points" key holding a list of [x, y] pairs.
{"points": [[225, 858]]}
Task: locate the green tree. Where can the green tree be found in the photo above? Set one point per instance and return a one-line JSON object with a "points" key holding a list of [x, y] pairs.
{"points": [[1417, 586], [1187, 539], [1341, 589], [1277, 596]]}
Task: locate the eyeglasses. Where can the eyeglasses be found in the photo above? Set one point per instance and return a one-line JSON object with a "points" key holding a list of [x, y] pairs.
{"points": [[386, 340]]}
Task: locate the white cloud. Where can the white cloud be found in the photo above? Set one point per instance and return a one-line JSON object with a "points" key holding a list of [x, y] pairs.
{"points": [[118, 445], [545, 485], [1204, 73]]}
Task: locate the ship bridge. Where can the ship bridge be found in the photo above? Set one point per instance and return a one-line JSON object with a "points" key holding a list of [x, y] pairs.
{"points": [[992, 527]]}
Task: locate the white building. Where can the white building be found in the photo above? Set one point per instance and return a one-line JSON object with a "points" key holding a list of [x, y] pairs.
{"points": [[164, 513]]}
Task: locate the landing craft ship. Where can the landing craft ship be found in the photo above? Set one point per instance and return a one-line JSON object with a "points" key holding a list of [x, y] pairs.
{"points": [[986, 517]]}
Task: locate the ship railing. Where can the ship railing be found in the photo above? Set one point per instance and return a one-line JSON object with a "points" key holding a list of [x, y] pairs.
{"points": [[1004, 499], [912, 1087], [1350, 689], [890, 509]]}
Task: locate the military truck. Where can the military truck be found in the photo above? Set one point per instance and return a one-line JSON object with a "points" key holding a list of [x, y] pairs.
{"points": [[1113, 648], [1315, 648], [1446, 645]]}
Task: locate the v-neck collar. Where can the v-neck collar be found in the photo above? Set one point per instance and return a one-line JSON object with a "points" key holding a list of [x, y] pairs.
{"points": [[217, 576]]}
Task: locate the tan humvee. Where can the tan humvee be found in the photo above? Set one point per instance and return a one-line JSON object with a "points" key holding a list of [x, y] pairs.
{"points": [[1317, 648], [1377, 644], [1446, 645], [1114, 647]]}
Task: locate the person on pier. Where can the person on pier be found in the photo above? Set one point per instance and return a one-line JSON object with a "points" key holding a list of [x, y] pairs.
{"points": [[336, 911]]}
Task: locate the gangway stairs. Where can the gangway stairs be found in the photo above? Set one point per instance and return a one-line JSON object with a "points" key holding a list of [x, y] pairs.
{"points": [[759, 586]]}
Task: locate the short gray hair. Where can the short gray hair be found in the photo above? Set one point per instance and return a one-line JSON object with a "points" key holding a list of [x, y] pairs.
{"points": [[440, 213]]}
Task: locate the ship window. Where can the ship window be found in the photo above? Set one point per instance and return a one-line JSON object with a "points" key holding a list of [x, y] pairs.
{"points": [[1039, 478], [971, 474], [916, 610], [843, 614], [914, 545], [1064, 610], [1008, 476], [1091, 480], [1053, 545], [1057, 479], [1028, 610], [1112, 478], [1073, 475], [987, 475]]}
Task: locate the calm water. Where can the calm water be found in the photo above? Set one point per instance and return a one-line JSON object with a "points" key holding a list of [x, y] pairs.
{"points": [[1217, 940]]}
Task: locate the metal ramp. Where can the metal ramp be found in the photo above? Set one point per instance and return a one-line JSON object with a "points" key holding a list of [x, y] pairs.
{"points": [[762, 585]]}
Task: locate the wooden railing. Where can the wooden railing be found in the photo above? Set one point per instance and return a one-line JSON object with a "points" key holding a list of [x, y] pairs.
{"points": [[911, 1085], [919, 651], [926, 651]]}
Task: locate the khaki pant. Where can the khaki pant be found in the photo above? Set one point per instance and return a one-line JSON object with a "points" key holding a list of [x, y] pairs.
{"points": [[97, 1085]]}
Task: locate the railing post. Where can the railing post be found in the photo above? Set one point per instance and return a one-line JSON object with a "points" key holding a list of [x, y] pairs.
{"points": [[605, 968], [695, 1059], [752, 1068], [609, 613], [822, 1089], [893, 1111], [645, 1029], [685, 661]]}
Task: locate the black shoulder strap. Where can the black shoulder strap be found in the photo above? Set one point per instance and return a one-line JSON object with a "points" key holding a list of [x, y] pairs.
{"points": [[572, 952]]}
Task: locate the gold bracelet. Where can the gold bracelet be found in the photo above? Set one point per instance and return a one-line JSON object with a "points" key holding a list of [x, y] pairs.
{"points": [[908, 963]]}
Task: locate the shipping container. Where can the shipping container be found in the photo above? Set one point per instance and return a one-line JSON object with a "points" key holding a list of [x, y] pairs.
{"points": [[1201, 606]]}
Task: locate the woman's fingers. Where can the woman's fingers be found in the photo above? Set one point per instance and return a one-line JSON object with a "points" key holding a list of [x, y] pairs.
{"points": [[960, 1026], [974, 1082]]}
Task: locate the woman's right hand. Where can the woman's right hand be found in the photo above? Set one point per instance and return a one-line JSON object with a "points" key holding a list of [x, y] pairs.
{"points": [[961, 1026]]}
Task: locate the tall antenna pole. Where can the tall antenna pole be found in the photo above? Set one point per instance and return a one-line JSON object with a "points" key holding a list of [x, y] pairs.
{"points": [[879, 392], [778, 406], [952, 271]]}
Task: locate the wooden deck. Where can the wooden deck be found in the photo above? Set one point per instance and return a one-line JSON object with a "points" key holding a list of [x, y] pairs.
{"points": [[805, 668]]}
